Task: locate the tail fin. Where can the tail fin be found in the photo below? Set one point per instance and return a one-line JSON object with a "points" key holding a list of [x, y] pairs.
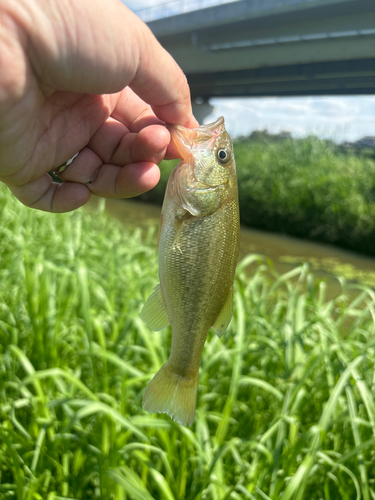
{"points": [[172, 394]]}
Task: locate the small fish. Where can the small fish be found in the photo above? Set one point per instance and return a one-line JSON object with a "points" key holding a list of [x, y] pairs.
{"points": [[198, 250]]}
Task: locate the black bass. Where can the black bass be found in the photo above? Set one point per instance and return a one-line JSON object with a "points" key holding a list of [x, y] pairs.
{"points": [[198, 249]]}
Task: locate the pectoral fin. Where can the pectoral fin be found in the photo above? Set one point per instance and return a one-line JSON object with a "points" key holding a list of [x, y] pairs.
{"points": [[223, 320], [154, 313]]}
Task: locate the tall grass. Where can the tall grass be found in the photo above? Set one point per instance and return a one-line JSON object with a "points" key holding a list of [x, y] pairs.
{"points": [[285, 407]]}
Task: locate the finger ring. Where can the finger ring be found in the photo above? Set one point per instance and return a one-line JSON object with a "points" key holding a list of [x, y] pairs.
{"points": [[65, 165]]}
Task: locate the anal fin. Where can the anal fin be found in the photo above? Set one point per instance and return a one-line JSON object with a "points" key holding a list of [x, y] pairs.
{"points": [[223, 320], [154, 313]]}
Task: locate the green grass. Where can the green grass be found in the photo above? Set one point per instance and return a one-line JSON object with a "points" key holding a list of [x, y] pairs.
{"points": [[286, 404], [305, 188]]}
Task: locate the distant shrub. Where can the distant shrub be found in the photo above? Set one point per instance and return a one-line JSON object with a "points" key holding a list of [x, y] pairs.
{"points": [[305, 188]]}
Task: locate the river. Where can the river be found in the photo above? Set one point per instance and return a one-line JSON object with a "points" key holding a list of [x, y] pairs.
{"points": [[285, 252]]}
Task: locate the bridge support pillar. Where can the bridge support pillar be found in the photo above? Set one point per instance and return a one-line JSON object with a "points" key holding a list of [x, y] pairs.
{"points": [[201, 109]]}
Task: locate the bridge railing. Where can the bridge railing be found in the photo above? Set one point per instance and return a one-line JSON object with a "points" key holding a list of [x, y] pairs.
{"points": [[176, 7]]}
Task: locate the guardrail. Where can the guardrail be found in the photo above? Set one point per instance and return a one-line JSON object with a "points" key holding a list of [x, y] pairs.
{"points": [[175, 7]]}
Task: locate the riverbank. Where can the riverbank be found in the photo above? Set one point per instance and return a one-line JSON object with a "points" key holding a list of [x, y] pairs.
{"points": [[306, 188], [286, 252]]}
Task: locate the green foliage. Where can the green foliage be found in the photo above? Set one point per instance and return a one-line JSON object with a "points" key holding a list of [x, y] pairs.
{"points": [[285, 407], [305, 188]]}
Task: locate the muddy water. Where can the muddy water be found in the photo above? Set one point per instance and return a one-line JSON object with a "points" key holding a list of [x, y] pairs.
{"points": [[286, 252]]}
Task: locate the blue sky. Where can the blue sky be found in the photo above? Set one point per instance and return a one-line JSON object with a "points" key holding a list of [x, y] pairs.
{"points": [[341, 118]]}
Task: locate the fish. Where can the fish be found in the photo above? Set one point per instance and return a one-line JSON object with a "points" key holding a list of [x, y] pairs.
{"points": [[198, 249]]}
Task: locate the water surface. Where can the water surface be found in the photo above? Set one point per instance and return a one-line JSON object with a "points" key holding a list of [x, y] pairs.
{"points": [[285, 252]]}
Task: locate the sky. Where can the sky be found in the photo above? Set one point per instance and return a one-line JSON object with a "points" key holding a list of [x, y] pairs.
{"points": [[339, 118]]}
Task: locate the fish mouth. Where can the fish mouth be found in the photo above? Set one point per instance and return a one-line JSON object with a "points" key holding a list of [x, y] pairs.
{"points": [[214, 128], [185, 138], [181, 138]]}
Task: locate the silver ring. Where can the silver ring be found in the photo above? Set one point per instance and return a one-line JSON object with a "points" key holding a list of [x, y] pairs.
{"points": [[65, 165]]}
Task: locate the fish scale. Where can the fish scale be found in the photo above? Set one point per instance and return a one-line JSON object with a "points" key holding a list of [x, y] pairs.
{"points": [[198, 250], [202, 294]]}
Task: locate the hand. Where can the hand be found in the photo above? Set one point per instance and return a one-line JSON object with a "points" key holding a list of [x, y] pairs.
{"points": [[80, 76]]}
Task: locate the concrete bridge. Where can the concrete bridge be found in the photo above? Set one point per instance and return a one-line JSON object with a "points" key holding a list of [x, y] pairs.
{"points": [[274, 47]]}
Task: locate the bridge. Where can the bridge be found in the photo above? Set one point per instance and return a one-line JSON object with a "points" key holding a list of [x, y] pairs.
{"points": [[272, 47]]}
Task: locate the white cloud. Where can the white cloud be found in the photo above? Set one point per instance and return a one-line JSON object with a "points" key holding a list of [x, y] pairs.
{"points": [[339, 118], [141, 4]]}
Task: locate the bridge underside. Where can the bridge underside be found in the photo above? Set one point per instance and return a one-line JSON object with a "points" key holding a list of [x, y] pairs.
{"points": [[275, 48], [355, 76]]}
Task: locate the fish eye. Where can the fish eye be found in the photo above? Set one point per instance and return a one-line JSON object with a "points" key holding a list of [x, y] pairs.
{"points": [[223, 155]]}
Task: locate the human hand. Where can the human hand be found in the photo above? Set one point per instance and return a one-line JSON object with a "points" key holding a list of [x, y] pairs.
{"points": [[80, 76]]}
